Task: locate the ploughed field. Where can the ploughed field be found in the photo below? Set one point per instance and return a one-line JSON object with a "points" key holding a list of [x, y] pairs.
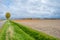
{"points": [[51, 27]]}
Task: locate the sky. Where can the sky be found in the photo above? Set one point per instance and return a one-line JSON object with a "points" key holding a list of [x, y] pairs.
{"points": [[30, 8]]}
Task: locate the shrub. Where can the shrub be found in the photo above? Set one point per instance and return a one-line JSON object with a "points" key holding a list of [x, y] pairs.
{"points": [[7, 15]]}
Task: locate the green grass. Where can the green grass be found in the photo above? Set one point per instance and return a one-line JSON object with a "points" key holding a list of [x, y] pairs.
{"points": [[17, 34], [21, 32]]}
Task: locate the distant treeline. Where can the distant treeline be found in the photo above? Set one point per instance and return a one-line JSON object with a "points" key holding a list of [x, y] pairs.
{"points": [[34, 19], [38, 18]]}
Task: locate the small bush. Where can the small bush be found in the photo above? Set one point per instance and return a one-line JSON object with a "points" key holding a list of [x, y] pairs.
{"points": [[7, 15]]}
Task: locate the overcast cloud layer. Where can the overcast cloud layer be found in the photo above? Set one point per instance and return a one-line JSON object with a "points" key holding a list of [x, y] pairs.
{"points": [[30, 8]]}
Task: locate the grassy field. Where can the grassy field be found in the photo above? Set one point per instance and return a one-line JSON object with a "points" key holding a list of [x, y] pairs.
{"points": [[15, 31]]}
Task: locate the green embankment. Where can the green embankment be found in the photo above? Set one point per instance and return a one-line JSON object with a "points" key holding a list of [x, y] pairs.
{"points": [[15, 31]]}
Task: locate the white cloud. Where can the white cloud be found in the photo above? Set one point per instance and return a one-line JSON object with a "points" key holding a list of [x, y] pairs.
{"points": [[44, 1], [30, 7]]}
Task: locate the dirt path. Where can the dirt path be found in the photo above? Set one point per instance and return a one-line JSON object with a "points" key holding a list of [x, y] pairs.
{"points": [[9, 33]]}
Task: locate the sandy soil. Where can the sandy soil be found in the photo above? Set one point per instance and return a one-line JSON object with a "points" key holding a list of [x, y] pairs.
{"points": [[51, 27]]}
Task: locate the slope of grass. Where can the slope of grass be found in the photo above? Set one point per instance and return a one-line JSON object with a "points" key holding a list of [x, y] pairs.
{"points": [[15, 31]]}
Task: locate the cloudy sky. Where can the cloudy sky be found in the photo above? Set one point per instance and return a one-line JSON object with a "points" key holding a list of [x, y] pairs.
{"points": [[30, 8]]}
